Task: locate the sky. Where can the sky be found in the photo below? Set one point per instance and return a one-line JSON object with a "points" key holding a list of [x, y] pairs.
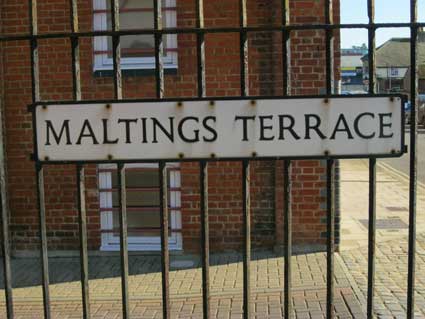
{"points": [[355, 11]]}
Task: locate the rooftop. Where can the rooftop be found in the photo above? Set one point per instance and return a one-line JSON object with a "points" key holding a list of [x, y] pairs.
{"points": [[396, 52]]}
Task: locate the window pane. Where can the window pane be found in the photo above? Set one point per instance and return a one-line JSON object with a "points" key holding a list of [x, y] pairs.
{"points": [[138, 198], [136, 14], [134, 46], [143, 200], [138, 178], [140, 223]]}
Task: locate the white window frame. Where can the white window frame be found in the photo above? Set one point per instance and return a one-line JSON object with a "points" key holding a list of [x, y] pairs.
{"points": [[111, 241], [103, 62]]}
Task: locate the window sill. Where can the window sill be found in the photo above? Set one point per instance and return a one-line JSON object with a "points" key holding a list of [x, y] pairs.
{"points": [[140, 247], [133, 72]]}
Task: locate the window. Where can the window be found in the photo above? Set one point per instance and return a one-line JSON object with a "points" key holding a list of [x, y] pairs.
{"points": [[143, 215], [137, 51], [394, 71]]}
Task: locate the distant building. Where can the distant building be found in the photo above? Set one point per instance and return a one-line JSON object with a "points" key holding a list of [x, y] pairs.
{"points": [[393, 63], [421, 80], [352, 69]]}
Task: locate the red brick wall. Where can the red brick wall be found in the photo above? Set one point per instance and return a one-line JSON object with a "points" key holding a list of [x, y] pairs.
{"points": [[225, 205], [308, 77], [222, 75]]}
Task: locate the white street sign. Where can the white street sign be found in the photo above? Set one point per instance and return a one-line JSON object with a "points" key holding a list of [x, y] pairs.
{"points": [[310, 127]]}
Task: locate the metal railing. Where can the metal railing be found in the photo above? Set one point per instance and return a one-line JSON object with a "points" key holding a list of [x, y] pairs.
{"points": [[200, 31]]}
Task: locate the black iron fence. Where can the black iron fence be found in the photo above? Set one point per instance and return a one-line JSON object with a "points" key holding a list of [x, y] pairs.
{"points": [[200, 31]]}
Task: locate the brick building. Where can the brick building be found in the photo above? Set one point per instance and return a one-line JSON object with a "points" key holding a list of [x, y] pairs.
{"points": [[222, 79]]}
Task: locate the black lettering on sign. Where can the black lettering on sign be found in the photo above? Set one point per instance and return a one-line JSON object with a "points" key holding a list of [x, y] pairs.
{"points": [[64, 130], [341, 121], [106, 139], [210, 129], [87, 127], [169, 133], [263, 127], [383, 125], [127, 123], [316, 126], [289, 127], [144, 130], [357, 128], [244, 124], [195, 138]]}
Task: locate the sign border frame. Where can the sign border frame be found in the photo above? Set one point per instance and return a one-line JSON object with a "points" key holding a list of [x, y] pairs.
{"points": [[34, 156]]}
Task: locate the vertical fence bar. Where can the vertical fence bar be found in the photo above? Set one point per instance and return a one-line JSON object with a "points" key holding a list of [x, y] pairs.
{"points": [[205, 239], [5, 239], [243, 42], [201, 87], [35, 69], [159, 80], [159, 49], [82, 219], [329, 48], [43, 240], [122, 202], [116, 48], [286, 49], [116, 57], [163, 181], [82, 224], [165, 256], [330, 166], [35, 93], [413, 158], [287, 211], [372, 168], [246, 211], [246, 207], [371, 45], [200, 48], [371, 237], [75, 48]]}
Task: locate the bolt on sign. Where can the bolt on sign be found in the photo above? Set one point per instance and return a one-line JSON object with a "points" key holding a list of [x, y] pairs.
{"points": [[221, 129]]}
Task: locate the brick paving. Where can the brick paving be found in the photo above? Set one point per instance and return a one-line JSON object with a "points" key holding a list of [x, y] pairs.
{"points": [[390, 276], [392, 203], [309, 288], [391, 242], [266, 305]]}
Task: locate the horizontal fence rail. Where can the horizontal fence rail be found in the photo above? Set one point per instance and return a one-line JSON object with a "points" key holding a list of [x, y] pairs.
{"points": [[277, 28], [286, 28]]}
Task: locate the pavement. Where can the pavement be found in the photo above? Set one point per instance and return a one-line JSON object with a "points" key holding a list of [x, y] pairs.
{"points": [[402, 164], [308, 273], [309, 288], [391, 238], [392, 203]]}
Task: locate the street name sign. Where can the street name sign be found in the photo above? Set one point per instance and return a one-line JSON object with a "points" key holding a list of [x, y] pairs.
{"points": [[221, 129]]}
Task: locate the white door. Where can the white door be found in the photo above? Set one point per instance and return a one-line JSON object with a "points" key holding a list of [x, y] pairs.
{"points": [[143, 215]]}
